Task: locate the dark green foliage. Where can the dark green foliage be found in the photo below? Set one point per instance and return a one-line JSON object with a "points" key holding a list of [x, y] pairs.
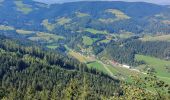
{"points": [[29, 72], [124, 51], [32, 73], [120, 53]]}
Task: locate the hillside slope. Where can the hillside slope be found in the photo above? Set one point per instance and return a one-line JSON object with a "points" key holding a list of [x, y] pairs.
{"points": [[30, 73]]}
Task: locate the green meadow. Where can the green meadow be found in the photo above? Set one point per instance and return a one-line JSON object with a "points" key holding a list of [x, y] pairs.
{"points": [[161, 66], [98, 66], [6, 28], [88, 40], [94, 31], [24, 8], [156, 38], [80, 14], [119, 14]]}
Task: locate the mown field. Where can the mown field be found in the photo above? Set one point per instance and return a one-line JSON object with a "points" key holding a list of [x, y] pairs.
{"points": [[78, 56], [94, 31], [162, 67], [98, 66], [156, 38]]}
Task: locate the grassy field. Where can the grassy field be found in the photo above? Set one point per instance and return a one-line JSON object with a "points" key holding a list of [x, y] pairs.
{"points": [[78, 56], [112, 69], [24, 8], [156, 38], [87, 40], [108, 20], [47, 25], [98, 66], [159, 65], [93, 31], [119, 14], [125, 35], [63, 20], [6, 28], [24, 32], [105, 41], [52, 46], [80, 14], [47, 37]]}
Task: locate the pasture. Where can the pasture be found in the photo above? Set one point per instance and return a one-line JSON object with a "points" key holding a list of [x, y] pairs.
{"points": [[156, 38], [94, 31], [161, 67], [24, 8]]}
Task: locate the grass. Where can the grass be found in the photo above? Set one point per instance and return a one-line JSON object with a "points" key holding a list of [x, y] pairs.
{"points": [[6, 28], [63, 20], [98, 66], [24, 8], [105, 41], [158, 64], [80, 14], [47, 37], [108, 20], [52, 46], [24, 32], [119, 14], [88, 41], [78, 56], [47, 25], [123, 34], [112, 69], [156, 38], [93, 31]]}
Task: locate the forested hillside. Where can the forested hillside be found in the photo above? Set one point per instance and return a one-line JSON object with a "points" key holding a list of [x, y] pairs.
{"points": [[98, 50], [28, 72]]}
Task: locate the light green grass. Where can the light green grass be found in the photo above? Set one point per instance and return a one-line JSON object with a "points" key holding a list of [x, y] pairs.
{"points": [[158, 64], [98, 66], [47, 37], [6, 28], [108, 20], [63, 20], [52, 46], [24, 32], [112, 69], [51, 26], [80, 14], [87, 40], [78, 56], [47, 25], [156, 38], [124, 34], [119, 14], [24, 8], [105, 41], [93, 31]]}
